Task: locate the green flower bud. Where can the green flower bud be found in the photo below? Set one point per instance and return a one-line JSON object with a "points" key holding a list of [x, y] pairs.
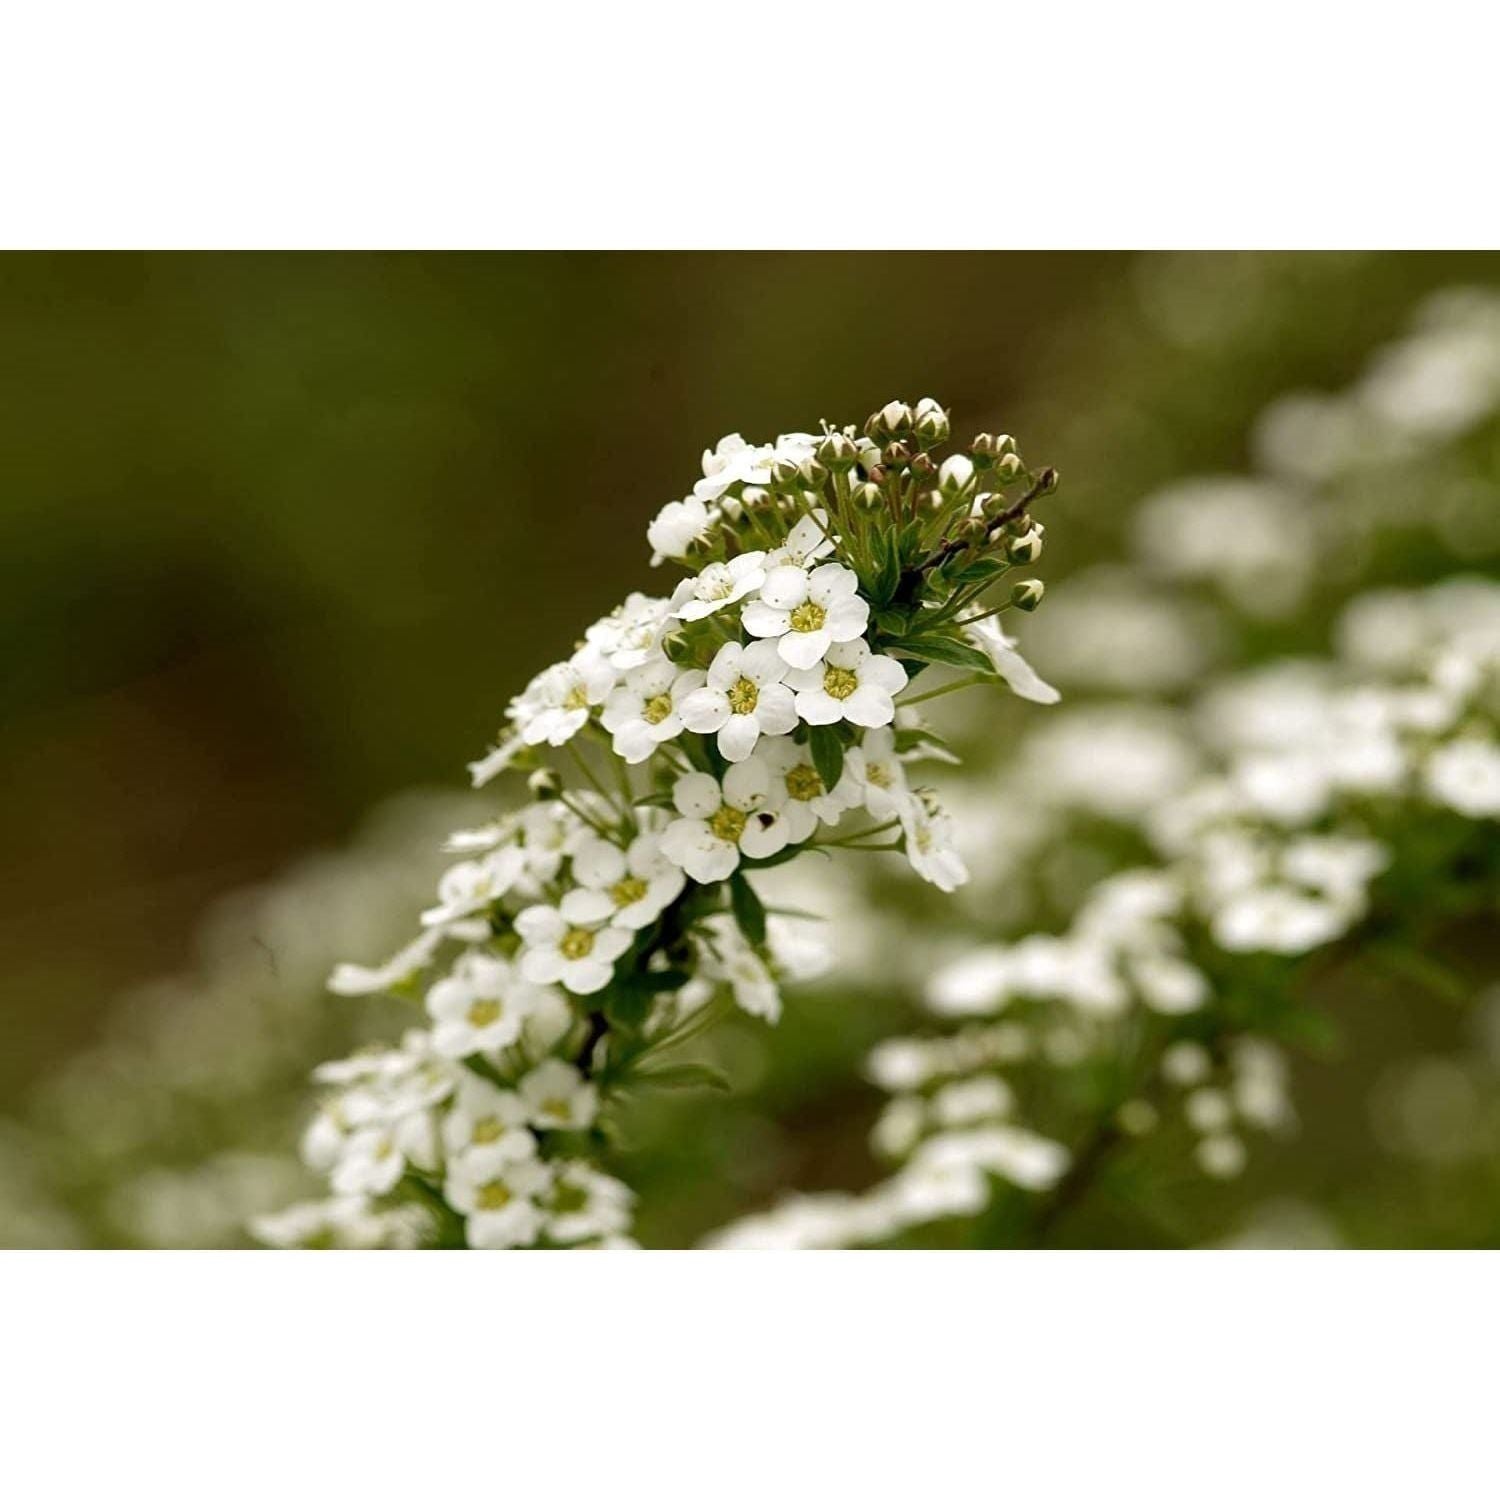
{"points": [[956, 475], [1010, 468], [677, 649], [922, 467], [837, 452], [987, 449], [813, 474], [785, 474], [867, 497], [1026, 548], [893, 420], [897, 456], [1027, 594], [930, 421], [544, 785]]}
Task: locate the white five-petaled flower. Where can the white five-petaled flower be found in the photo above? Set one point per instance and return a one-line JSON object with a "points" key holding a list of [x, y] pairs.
{"points": [[480, 1007], [484, 1117], [806, 613], [558, 1097], [720, 823], [640, 881], [643, 712], [743, 698], [677, 526], [556, 703], [586, 1205], [572, 943], [807, 543], [1019, 675], [808, 800], [631, 634], [498, 1198], [734, 461], [879, 773], [471, 886], [718, 586], [929, 843], [851, 682]]}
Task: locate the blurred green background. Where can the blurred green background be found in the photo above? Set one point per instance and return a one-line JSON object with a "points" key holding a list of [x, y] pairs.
{"points": [[280, 534]]}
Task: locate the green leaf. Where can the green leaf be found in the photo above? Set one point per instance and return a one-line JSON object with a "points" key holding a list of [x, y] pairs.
{"points": [[827, 754], [888, 574], [950, 653], [684, 1076], [749, 911], [977, 572]]}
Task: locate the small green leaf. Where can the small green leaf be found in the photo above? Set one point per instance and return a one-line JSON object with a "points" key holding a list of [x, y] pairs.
{"points": [[827, 754], [749, 911], [684, 1076], [977, 572], [950, 653]]}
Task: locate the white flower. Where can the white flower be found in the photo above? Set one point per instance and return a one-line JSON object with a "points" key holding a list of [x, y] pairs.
{"points": [[631, 634], [808, 542], [490, 765], [556, 704], [1221, 1155], [718, 586], [720, 823], [356, 979], [734, 461], [374, 1156], [480, 1007], [586, 1205], [729, 958], [851, 683], [1465, 776], [929, 844], [1018, 674], [743, 698], [1277, 919], [806, 613], [879, 773], [474, 884], [498, 1199], [808, 801], [640, 882], [349, 1223], [572, 943], [645, 710], [484, 1117], [558, 1097], [676, 527]]}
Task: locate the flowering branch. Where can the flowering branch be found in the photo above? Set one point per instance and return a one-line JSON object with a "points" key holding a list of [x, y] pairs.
{"points": [[597, 930]]}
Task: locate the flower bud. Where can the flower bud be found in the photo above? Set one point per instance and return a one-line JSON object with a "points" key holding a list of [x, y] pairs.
{"points": [[1027, 594], [922, 467], [812, 473], [837, 451], [1010, 468], [971, 532], [897, 456], [677, 650], [989, 449], [544, 785], [930, 421], [956, 474], [785, 474], [1026, 548], [867, 497], [891, 421]]}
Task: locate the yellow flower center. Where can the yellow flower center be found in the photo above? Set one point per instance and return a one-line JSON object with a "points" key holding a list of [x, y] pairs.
{"points": [[577, 697], [877, 774], [493, 1196], [803, 783], [654, 710], [743, 697], [484, 1013], [569, 1199], [727, 824], [839, 682], [808, 617], [556, 1109], [577, 942], [628, 891], [486, 1130]]}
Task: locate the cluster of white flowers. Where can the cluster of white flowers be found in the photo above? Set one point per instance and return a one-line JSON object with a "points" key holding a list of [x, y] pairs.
{"points": [[694, 740], [1274, 852]]}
